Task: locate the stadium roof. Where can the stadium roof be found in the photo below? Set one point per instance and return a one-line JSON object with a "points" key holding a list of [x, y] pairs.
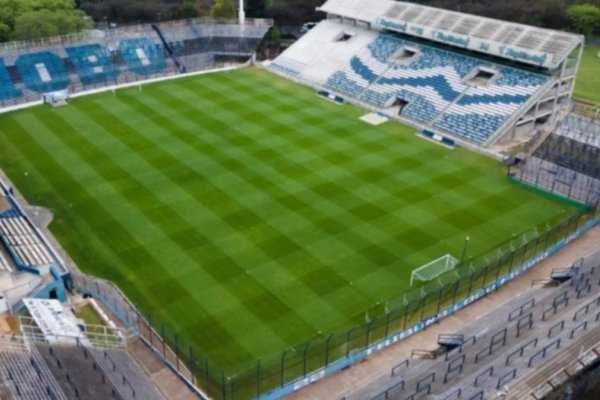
{"points": [[536, 46]]}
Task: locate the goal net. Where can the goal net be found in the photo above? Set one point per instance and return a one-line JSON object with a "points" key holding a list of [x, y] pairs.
{"points": [[56, 99], [433, 269]]}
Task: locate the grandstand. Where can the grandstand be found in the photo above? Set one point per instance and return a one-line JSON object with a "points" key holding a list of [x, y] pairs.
{"points": [[100, 59], [29, 266], [43, 371], [567, 162], [475, 80]]}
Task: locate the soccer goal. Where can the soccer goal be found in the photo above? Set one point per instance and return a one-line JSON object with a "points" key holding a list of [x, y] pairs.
{"points": [[56, 99], [432, 270]]}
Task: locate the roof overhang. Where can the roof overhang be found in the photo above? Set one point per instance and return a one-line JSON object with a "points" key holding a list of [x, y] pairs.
{"points": [[516, 42]]}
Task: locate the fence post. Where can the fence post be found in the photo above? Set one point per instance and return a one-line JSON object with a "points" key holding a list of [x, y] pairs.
{"points": [[537, 245], [456, 286], [348, 341], [282, 367], [327, 348], [485, 271], [439, 303], [137, 318], [177, 351], [512, 259], [368, 334], [192, 364], [305, 372], [207, 375], [472, 276], [500, 260], [423, 307], [150, 329], [525, 252], [387, 324], [164, 346], [258, 378], [223, 385]]}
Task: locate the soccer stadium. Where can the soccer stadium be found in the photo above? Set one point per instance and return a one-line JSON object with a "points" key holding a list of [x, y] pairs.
{"points": [[403, 204]]}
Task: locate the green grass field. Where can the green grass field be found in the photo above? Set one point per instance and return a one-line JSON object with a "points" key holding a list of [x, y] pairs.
{"points": [[588, 80], [249, 215]]}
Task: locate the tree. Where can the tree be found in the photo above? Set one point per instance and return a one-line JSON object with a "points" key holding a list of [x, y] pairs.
{"points": [[29, 19], [584, 18], [256, 8], [223, 9], [4, 32], [204, 7], [44, 23], [188, 9]]}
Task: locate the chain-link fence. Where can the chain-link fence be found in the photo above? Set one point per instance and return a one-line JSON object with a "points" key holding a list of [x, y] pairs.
{"points": [[299, 365]]}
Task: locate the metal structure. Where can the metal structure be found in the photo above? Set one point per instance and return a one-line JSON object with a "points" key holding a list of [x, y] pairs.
{"points": [[526, 349], [567, 163], [555, 53]]}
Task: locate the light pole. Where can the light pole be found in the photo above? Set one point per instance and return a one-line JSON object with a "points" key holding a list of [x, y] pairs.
{"points": [[28, 188], [31, 198], [464, 253]]}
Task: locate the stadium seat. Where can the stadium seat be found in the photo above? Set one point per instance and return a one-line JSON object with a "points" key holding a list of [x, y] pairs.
{"points": [[434, 84], [92, 64], [43, 72], [142, 56], [8, 89]]}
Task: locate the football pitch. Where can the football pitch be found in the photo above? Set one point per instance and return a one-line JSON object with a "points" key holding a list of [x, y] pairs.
{"points": [[247, 214]]}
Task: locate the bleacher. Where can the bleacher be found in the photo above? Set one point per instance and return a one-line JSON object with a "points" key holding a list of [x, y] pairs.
{"points": [[27, 376], [39, 372], [581, 129], [4, 264], [434, 83], [567, 162], [123, 55], [23, 243], [89, 373], [442, 71], [125, 374]]}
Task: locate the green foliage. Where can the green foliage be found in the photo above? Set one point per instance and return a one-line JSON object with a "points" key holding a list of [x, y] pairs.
{"points": [[223, 9], [4, 32], [203, 7], [188, 9], [30, 19], [256, 8], [584, 18]]}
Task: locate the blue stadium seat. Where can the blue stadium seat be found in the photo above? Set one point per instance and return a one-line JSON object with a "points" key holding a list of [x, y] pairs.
{"points": [[433, 82], [43, 72], [92, 64], [344, 85], [8, 89], [142, 56]]}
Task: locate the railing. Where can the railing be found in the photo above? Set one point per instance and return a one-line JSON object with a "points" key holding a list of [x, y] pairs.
{"points": [[137, 28], [273, 377], [95, 335]]}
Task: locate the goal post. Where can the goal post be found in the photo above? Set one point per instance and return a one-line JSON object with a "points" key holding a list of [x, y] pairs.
{"points": [[57, 98], [432, 270]]}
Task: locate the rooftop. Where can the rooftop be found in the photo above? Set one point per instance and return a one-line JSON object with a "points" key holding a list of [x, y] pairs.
{"points": [[527, 44]]}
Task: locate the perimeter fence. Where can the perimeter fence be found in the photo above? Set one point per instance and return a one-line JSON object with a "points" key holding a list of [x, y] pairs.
{"points": [[381, 326]]}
